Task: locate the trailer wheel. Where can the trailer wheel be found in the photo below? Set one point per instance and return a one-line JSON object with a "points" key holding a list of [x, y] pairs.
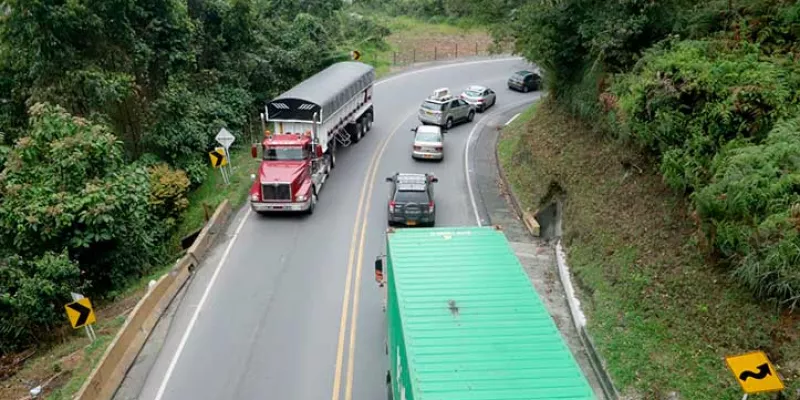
{"points": [[370, 118], [364, 126], [358, 131]]}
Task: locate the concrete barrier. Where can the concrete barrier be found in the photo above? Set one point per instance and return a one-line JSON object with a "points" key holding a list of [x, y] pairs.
{"points": [[106, 377], [210, 231]]}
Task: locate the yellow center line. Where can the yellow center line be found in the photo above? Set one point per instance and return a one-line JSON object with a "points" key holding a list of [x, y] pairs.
{"points": [[357, 292], [337, 378]]}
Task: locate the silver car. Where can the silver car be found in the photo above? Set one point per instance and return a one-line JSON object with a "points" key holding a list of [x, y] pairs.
{"points": [[428, 143], [443, 109], [479, 96]]}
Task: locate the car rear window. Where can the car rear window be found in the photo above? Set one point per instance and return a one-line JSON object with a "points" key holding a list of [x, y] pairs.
{"points": [[429, 105], [523, 73], [411, 197], [428, 137], [472, 93]]}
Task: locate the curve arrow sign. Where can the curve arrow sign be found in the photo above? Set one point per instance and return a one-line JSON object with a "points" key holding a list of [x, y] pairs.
{"points": [[80, 313], [763, 372]]}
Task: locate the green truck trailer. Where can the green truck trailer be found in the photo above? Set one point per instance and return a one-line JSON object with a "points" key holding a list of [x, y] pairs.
{"points": [[465, 323]]}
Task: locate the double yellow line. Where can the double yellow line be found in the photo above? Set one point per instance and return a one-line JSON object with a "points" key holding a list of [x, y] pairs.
{"points": [[357, 243]]}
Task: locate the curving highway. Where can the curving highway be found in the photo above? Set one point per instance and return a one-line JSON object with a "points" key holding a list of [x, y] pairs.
{"points": [[286, 307]]}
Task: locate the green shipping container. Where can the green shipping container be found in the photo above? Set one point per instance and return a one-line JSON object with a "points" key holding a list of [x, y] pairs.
{"points": [[465, 323]]}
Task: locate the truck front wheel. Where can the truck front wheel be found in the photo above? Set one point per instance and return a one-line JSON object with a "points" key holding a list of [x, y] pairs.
{"points": [[369, 120], [313, 202]]}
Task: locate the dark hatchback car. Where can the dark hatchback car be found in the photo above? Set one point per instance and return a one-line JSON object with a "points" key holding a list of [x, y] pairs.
{"points": [[525, 81], [411, 199]]}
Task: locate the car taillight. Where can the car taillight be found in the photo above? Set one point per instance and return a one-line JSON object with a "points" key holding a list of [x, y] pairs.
{"points": [[391, 206], [437, 147], [417, 148], [480, 100], [430, 206]]}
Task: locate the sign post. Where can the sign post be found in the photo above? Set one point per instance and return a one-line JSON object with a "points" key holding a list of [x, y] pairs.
{"points": [[754, 372], [226, 139], [81, 314], [219, 160]]}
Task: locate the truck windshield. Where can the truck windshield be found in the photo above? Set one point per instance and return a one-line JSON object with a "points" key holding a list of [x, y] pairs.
{"points": [[285, 154]]}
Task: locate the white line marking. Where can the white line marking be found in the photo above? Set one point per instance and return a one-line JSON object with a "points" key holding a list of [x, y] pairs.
{"points": [[438, 67], [512, 119], [467, 170], [185, 337]]}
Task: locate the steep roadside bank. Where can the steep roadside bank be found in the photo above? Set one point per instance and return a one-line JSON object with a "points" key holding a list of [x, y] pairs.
{"points": [[662, 320]]}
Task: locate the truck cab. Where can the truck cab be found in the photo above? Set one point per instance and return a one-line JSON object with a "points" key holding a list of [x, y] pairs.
{"points": [[290, 173]]}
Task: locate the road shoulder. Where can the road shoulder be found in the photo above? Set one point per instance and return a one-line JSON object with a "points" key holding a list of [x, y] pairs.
{"points": [[537, 256]]}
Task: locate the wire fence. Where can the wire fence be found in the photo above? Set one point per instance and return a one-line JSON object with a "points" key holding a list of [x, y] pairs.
{"points": [[436, 52]]}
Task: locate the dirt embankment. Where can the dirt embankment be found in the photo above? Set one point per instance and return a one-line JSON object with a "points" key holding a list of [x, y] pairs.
{"points": [[662, 318]]}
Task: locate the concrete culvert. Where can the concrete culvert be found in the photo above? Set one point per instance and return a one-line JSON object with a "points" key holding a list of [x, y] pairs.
{"points": [[550, 212]]}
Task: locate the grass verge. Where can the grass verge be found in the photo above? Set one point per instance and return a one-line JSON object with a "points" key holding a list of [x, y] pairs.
{"points": [[67, 365], [661, 317], [413, 40]]}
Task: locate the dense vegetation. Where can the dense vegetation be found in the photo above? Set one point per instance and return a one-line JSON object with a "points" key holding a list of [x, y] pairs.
{"points": [[107, 108], [711, 91]]}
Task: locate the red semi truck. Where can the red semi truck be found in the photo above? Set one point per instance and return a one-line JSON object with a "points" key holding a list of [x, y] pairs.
{"points": [[309, 122]]}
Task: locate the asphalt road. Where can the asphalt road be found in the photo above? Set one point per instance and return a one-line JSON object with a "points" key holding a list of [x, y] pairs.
{"points": [[263, 318]]}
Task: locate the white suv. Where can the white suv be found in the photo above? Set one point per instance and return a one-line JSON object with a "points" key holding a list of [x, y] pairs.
{"points": [[443, 109]]}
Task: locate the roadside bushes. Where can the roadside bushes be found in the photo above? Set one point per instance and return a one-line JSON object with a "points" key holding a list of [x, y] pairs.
{"points": [[750, 212], [685, 100], [32, 294], [723, 119], [75, 217]]}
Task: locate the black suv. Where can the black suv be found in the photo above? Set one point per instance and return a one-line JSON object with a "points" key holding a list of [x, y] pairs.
{"points": [[411, 199], [525, 81]]}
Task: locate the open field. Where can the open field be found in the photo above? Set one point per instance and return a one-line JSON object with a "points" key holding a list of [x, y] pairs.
{"points": [[414, 41], [662, 319]]}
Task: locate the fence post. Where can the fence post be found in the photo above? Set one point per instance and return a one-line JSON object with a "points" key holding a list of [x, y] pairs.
{"points": [[415, 55], [456, 50], [434, 53], [394, 58], [476, 48]]}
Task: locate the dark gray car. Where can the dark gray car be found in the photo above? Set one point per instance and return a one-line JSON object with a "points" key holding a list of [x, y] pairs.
{"points": [[411, 199], [525, 81]]}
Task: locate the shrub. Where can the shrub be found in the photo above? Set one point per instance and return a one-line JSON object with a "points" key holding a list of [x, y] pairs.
{"points": [[686, 100], [32, 295], [751, 212], [66, 185], [168, 189]]}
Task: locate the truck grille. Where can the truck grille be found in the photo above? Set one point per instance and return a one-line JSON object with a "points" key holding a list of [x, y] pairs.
{"points": [[276, 192]]}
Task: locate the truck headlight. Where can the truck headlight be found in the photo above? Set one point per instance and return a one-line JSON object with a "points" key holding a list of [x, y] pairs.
{"points": [[254, 197], [301, 198]]}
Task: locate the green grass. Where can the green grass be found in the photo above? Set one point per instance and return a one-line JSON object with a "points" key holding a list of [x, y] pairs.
{"points": [[412, 35], [660, 316], [92, 354], [214, 190]]}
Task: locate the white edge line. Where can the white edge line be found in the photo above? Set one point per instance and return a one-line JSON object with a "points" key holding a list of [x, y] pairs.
{"points": [[466, 151], [218, 268], [512, 119], [197, 310]]}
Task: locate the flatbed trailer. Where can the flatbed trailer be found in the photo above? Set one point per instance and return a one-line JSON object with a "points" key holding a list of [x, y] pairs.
{"points": [[464, 321]]}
